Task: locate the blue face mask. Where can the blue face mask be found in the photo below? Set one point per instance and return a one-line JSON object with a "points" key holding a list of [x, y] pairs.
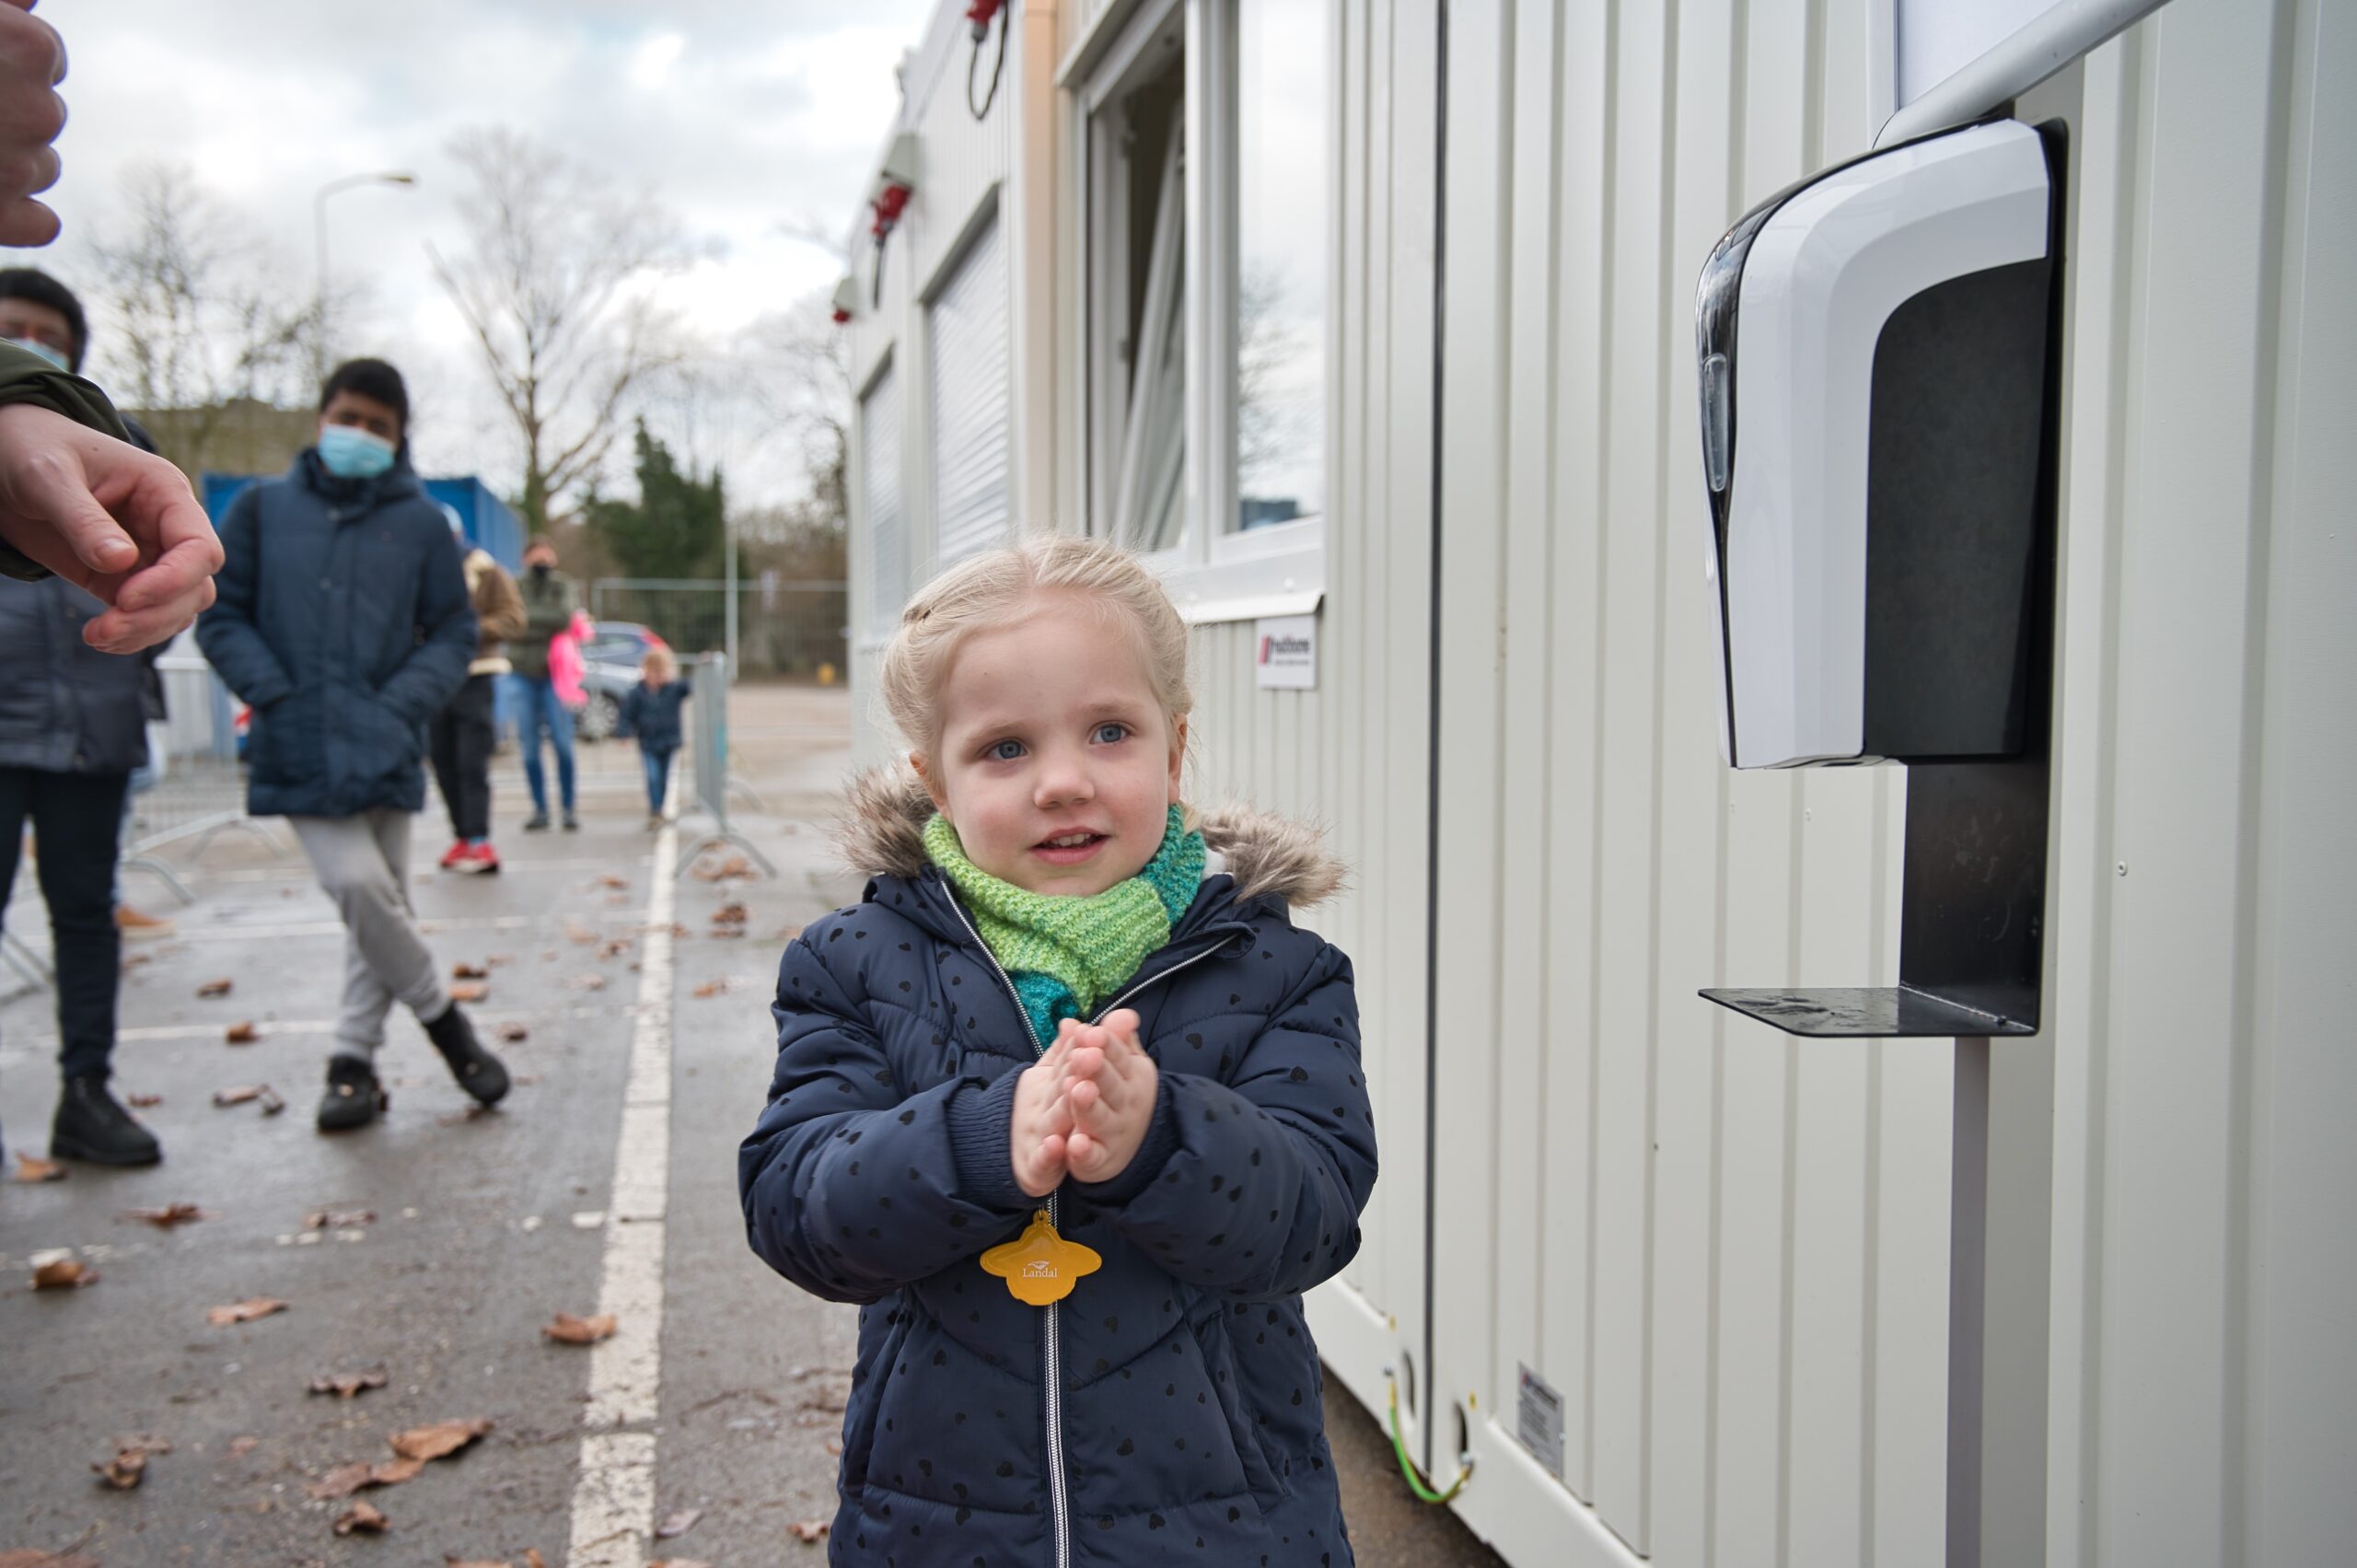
{"points": [[349, 452], [42, 349]]}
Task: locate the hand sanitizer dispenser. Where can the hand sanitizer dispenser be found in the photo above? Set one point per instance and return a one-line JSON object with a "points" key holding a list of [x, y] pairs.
{"points": [[1873, 349], [1877, 356]]}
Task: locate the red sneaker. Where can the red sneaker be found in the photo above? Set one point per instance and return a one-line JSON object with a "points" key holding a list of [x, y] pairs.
{"points": [[455, 854], [477, 860]]}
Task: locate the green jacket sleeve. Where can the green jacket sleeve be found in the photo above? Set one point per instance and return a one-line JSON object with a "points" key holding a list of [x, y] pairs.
{"points": [[25, 378]]}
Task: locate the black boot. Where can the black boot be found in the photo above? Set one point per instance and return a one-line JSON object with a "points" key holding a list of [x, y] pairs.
{"points": [[354, 1095], [91, 1126], [479, 1073]]}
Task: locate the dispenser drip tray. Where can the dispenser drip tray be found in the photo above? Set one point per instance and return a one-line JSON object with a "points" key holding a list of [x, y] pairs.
{"points": [[1871, 1012]]}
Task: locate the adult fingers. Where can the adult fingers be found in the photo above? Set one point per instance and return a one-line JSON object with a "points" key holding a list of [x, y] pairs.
{"points": [[118, 630], [49, 486], [25, 224]]}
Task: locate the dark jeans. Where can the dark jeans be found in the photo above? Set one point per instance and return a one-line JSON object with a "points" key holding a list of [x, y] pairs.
{"points": [[537, 709], [658, 778], [76, 820], [463, 737]]}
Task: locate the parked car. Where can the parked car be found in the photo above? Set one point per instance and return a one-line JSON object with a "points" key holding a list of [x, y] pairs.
{"points": [[611, 657]]}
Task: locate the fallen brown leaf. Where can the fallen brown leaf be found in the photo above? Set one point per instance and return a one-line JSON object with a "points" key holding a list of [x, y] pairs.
{"points": [[26, 1557], [731, 914], [243, 1311], [532, 1558], [240, 1446], [240, 1095], [243, 1033], [338, 1219], [143, 1102], [340, 1481], [681, 932], [55, 1271], [441, 1439], [392, 1473], [570, 1331], [735, 866], [31, 1169], [810, 1529], [470, 990], [713, 988], [362, 1519], [589, 981], [834, 1446], [498, 958], [510, 1034], [678, 1524], [611, 881], [271, 1104], [212, 988], [465, 971], [129, 1465], [166, 1217], [613, 946], [473, 1112], [348, 1384], [576, 931]]}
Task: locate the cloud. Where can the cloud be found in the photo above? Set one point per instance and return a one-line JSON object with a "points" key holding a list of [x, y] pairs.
{"points": [[742, 119]]}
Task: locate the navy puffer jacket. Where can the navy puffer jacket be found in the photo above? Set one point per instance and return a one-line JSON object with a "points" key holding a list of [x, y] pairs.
{"points": [[1168, 1410], [343, 617]]}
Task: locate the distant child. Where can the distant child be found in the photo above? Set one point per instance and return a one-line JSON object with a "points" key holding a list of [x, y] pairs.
{"points": [[651, 712], [1068, 1105]]}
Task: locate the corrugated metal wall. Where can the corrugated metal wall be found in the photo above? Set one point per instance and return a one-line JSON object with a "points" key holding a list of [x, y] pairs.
{"points": [[2205, 1375], [962, 169]]}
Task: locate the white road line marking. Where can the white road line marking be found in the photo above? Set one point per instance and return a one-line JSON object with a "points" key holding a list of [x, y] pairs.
{"points": [[613, 1500]]}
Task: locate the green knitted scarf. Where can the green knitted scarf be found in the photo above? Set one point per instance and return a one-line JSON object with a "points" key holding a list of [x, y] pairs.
{"points": [[1066, 954]]}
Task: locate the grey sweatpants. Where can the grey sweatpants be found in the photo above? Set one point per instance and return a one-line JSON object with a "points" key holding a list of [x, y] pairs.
{"points": [[362, 864]]}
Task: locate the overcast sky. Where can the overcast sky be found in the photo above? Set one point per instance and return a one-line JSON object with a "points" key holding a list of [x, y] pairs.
{"points": [[744, 117]]}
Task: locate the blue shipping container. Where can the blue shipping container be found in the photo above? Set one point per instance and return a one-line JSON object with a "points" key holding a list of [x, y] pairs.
{"points": [[483, 516]]}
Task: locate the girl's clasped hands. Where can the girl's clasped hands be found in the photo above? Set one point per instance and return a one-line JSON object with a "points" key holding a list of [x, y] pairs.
{"points": [[1083, 1107]]}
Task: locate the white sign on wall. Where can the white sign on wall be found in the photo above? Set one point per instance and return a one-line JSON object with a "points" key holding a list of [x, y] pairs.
{"points": [[1285, 652]]}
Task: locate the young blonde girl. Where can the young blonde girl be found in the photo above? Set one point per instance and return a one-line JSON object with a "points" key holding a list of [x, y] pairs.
{"points": [[651, 715], [1068, 1105]]}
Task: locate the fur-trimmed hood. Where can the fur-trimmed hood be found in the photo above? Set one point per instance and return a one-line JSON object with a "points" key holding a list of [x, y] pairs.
{"points": [[881, 832]]}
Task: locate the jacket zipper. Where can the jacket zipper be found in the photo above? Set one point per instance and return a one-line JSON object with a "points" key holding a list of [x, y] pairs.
{"points": [[1052, 1372]]}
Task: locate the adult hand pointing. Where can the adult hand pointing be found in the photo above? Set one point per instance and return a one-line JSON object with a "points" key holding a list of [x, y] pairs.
{"points": [[103, 513]]}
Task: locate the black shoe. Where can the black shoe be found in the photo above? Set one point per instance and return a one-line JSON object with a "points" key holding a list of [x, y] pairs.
{"points": [[538, 822], [479, 1073], [91, 1126], [354, 1098], [572, 823]]}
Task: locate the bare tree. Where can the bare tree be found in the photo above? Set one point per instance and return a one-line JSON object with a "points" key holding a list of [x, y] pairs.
{"points": [[796, 366], [195, 337], [552, 283]]}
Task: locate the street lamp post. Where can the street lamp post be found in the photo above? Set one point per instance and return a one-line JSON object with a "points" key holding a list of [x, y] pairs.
{"points": [[319, 239]]}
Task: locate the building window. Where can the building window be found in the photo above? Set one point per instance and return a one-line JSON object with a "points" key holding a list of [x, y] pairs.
{"points": [[880, 483], [967, 328], [1283, 222], [1211, 221], [1138, 357]]}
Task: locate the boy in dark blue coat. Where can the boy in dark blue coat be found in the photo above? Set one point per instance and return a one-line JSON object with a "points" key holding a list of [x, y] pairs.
{"points": [[1070, 1105]]}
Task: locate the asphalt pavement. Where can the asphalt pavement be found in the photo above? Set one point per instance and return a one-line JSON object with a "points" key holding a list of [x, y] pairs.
{"points": [[433, 1249]]}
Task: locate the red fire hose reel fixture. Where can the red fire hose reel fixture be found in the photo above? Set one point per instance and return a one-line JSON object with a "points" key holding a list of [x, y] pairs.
{"points": [[979, 14], [895, 183]]}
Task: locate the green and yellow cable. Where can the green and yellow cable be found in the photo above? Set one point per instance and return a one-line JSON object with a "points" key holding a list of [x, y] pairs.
{"points": [[1416, 1482]]}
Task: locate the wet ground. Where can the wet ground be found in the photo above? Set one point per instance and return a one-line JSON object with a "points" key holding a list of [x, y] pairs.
{"points": [[434, 1247]]}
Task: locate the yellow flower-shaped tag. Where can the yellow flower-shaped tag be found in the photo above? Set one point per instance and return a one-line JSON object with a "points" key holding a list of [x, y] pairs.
{"points": [[1040, 1266]]}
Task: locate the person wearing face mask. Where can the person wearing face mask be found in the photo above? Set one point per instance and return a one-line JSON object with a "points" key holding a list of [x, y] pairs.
{"points": [[551, 601], [344, 621]]}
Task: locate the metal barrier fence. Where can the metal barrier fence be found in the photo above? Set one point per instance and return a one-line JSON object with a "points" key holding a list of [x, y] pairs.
{"points": [[782, 628], [708, 754], [199, 788]]}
